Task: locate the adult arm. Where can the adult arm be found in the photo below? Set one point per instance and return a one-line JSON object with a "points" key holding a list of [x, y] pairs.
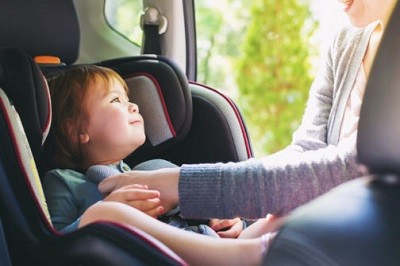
{"points": [[278, 183], [256, 187]]}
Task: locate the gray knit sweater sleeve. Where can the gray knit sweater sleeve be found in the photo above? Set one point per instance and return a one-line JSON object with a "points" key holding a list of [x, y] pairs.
{"points": [[255, 187], [278, 183]]}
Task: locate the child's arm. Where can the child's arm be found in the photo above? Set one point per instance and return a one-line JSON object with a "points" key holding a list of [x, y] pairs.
{"points": [[196, 249], [270, 223]]}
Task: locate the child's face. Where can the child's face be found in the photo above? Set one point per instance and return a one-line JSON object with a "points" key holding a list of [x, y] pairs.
{"points": [[114, 128]]}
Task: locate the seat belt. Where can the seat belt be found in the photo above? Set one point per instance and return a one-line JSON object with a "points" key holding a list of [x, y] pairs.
{"points": [[153, 24]]}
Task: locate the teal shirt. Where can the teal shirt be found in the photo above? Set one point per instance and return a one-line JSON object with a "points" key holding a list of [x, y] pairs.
{"points": [[70, 193]]}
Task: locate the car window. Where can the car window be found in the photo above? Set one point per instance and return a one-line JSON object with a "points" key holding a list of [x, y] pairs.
{"points": [[219, 32], [264, 64], [119, 14], [265, 59]]}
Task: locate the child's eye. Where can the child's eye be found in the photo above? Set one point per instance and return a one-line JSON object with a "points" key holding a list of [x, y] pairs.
{"points": [[116, 100]]}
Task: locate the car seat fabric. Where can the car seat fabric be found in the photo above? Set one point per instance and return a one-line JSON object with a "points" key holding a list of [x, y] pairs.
{"points": [[23, 203], [23, 152], [219, 128], [358, 222], [4, 252], [29, 233], [23, 206], [45, 27], [161, 121], [233, 117]]}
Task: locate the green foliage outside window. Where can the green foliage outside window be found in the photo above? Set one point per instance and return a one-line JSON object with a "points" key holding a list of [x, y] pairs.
{"points": [[124, 17], [220, 28], [273, 71]]}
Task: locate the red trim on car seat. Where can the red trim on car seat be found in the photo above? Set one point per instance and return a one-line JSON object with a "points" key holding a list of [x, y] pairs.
{"points": [[46, 126], [235, 109], [25, 173], [164, 105]]}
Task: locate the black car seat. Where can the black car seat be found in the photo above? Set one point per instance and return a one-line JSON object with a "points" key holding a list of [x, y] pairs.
{"points": [[29, 235], [358, 223]]}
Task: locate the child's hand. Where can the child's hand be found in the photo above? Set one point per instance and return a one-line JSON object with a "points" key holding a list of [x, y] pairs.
{"points": [[227, 228], [139, 197], [265, 225]]}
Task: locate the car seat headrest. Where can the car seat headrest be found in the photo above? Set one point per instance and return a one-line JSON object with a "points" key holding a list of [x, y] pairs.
{"points": [[24, 84], [41, 27], [378, 142], [161, 91]]}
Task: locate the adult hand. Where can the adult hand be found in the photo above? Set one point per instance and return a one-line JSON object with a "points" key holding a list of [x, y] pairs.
{"points": [[139, 197], [227, 228], [163, 180]]}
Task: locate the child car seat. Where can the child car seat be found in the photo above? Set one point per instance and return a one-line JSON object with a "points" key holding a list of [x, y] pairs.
{"points": [[28, 231], [357, 223]]}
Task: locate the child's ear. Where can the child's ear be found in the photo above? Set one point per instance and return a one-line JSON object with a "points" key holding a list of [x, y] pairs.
{"points": [[83, 138], [73, 135]]}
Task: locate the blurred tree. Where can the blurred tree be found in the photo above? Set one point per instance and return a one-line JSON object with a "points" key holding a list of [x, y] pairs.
{"points": [[124, 17], [274, 71], [208, 25], [219, 28]]}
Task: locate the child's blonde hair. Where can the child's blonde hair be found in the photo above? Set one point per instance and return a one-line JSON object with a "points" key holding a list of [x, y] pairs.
{"points": [[67, 90]]}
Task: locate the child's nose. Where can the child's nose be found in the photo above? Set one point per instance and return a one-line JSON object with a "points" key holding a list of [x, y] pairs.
{"points": [[133, 108]]}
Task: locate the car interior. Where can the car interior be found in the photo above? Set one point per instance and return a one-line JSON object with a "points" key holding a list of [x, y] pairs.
{"points": [[179, 118], [186, 122]]}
